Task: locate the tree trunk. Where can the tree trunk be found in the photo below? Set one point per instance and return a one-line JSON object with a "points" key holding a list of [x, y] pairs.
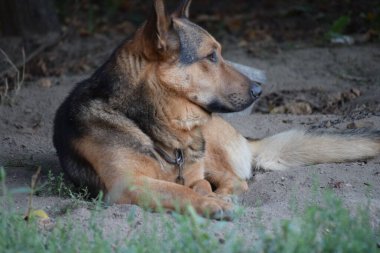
{"points": [[28, 17]]}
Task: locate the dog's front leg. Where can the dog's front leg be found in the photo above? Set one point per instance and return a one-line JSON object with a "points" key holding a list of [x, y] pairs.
{"points": [[133, 178], [227, 185], [156, 194], [202, 187]]}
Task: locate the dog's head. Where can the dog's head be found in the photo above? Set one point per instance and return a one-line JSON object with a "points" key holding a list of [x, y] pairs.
{"points": [[191, 63]]}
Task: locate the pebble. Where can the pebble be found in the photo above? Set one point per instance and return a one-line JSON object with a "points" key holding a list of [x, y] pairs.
{"points": [[356, 92], [364, 124], [45, 83]]}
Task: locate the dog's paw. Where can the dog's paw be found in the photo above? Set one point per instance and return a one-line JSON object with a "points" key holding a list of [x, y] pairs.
{"points": [[216, 208], [229, 198], [226, 215]]}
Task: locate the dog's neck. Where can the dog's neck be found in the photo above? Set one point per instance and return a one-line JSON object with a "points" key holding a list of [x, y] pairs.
{"points": [[180, 114], [171, 121], [182, 123]]}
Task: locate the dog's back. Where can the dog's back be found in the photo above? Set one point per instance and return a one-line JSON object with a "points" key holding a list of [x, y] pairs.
{"points": [[67, 127]]}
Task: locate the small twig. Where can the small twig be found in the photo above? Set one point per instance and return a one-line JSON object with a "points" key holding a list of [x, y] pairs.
{"points": [[2, 181], [3, 96], [32, 188], [352, 78], [13, 67], [19, 82], [9, 60], [19, 78]]}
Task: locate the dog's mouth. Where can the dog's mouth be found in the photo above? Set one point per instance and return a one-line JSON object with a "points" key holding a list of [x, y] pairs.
{"points": [[217, 106], [235, 102]]}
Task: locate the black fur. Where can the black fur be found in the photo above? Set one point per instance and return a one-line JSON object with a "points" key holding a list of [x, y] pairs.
{"points": [[216, 106], [108, 87], [190, 37]]}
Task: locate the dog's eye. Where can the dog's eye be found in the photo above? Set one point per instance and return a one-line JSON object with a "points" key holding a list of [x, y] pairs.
{"points": [[212, 57]]}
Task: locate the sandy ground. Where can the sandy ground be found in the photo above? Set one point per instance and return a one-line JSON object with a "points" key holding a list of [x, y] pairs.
{"points": [[26, 131]]}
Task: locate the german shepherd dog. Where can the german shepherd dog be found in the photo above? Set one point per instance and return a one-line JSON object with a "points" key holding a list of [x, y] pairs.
{"points": [[141, 128]]}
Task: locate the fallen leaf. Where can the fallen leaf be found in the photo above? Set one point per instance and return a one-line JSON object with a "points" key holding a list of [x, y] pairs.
{"points": [[45, 83], [335, 184], [294, 108], [39, 213]]}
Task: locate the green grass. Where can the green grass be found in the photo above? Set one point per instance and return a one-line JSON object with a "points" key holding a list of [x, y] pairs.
{"points": [[55, 185], [339, 27], [326, 227], [329, 227]]}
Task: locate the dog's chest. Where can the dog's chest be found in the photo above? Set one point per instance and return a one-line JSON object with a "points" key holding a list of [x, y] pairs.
{"points": [[186, 173]]}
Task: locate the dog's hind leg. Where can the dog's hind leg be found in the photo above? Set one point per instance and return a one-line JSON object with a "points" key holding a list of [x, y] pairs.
{"points": [[230, 158]]}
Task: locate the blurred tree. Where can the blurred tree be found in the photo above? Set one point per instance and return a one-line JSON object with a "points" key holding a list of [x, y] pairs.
{"points": [[28, 17]]}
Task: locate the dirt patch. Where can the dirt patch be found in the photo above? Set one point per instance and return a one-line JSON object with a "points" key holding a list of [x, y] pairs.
{"points": [[316, 101], [294, 76]]}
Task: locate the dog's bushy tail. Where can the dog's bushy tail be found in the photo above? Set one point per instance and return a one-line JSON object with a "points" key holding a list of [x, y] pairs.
{"points": [[299, 147]]}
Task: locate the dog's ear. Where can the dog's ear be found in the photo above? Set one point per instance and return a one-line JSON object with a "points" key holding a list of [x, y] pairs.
{"points": [[183, 9], [157, 27]]}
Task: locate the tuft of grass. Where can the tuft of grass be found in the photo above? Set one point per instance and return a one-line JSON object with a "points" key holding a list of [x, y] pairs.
{"points": [[12, 75], [338, 27], [327, 227], [56, 185]]}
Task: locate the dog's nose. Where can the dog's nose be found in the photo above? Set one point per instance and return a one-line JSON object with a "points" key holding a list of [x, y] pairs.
{"points": [[256, 89]]}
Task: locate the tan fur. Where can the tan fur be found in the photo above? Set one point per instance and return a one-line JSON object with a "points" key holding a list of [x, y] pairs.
{"points": [[137, 179], [297, 148], [225, 168]]}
